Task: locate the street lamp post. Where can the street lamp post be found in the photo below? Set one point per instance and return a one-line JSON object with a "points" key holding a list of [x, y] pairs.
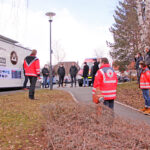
{"points": [[50, 15]]}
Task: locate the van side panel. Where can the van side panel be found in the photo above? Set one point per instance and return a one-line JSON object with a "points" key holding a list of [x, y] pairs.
{"points": [[11, 64]]}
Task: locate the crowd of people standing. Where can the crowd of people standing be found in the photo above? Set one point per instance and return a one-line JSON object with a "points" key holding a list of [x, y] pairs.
{"points": [[103, 77]]}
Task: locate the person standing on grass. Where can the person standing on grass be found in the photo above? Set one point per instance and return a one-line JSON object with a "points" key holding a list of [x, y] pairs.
{"points": [[85, 74], [25, 80], [105, 82], [73, 73], [138, 58], [32, 70], [147, 57], [145, 86], [61, 74]]}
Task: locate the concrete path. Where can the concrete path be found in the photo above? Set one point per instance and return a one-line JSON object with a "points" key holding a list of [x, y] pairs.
{"points": [[83, 94]]}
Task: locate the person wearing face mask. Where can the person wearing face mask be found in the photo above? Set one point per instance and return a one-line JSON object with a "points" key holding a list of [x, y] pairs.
{"points": [[145, 86], [138, 58], [147, 57]]}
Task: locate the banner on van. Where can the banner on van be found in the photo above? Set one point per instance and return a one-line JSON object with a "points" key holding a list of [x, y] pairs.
{"points": [[7, 73]]}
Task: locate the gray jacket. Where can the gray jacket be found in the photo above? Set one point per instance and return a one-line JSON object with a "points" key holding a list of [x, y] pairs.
{"points": [[147, 58]]}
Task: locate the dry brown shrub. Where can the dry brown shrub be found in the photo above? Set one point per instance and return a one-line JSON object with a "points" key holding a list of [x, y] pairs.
{"points": [[72, 126]]}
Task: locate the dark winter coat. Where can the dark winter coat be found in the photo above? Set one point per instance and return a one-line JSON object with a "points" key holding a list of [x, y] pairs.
{"points": [[73, 70], [61, 71], [85, 71], [95, 68], [137, 60], [147, 58], [45, 72]]}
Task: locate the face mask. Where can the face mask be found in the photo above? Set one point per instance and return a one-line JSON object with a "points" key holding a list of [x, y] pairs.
{"points": [[99, 65], [140, 66]]}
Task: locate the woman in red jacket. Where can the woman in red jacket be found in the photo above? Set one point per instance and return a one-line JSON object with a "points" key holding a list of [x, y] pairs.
{"points": [[145, 86]]}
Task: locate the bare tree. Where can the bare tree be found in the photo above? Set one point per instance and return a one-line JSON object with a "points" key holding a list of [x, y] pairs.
{"points": [[144, 21], [59, 52]]}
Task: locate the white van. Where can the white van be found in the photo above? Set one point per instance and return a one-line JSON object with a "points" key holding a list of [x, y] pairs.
{"points": [[11, 63]]}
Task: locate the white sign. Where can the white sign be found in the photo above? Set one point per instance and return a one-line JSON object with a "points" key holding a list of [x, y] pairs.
{"points": [[7, 73]]}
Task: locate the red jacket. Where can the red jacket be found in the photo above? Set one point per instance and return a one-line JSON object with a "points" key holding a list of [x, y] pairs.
{"points": [[145, 79], [106, 82], [32, 66]]}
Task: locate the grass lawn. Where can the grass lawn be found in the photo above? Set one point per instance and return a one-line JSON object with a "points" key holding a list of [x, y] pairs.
{"points": [[21, 120], [130, 94], [55, 121]]}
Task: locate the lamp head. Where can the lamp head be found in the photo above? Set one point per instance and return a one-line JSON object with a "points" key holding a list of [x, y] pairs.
{"points": [[50, 15]]}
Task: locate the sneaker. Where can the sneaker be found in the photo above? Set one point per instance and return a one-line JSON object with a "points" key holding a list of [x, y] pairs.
{"points": [[147, 111], [144, 109]]}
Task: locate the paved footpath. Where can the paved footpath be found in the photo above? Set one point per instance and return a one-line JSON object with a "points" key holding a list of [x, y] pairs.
{"points": [[83, 94]]}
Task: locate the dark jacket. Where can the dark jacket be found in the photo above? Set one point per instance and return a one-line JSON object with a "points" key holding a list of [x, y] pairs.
{"points": [[61, 71], [73, 70], [147, 58], [85, 71], [95, 68], [45, 72], [137, 60]]}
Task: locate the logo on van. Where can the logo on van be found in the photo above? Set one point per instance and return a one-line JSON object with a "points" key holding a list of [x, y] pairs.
{"points": [[13, 58]]}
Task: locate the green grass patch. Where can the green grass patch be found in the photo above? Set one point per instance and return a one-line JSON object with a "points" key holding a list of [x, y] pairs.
{"points": [[21, 120]]}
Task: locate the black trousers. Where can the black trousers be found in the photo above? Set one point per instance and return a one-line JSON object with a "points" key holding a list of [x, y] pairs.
{"points": [[25, 82], [109, 103], [32, 86], [73, 79], [93, 78], [61, 80]]}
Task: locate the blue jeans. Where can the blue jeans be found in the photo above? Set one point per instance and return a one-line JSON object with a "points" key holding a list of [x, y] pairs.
{"points": [[146, 97], [44, 81], [86, 80]]}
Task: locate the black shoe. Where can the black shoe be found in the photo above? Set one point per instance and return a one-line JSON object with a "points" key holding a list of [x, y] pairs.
{"points": [[33, 98]]}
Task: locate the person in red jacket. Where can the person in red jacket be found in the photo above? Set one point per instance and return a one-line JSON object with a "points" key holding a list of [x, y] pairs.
{"points": [[32, 70], [145, 86], [105, 84]]}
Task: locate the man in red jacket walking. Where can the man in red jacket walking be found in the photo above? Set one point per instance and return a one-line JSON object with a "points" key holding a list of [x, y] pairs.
{"points": [[32, 70], [106, 83]]}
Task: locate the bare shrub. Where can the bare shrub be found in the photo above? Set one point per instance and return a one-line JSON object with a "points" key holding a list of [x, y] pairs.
{"points": [[71, 126]]}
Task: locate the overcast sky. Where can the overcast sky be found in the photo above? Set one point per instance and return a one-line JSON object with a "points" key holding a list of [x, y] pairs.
{"points": [[80, 26]]}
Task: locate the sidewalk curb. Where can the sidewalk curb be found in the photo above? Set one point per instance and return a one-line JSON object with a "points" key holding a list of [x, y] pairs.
{"points": [[127, 106], [73, 97], [115, 102]]}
